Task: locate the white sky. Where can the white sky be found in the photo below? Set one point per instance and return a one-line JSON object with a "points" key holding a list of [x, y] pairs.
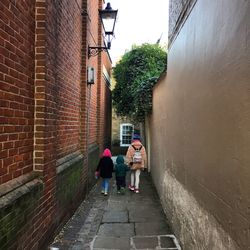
{"points": [[138, 21]]}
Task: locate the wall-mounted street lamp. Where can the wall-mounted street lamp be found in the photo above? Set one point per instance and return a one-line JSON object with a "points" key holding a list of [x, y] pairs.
{"points": [[108, 18]]}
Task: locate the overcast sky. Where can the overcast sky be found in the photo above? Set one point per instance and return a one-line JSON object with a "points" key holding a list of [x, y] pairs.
{"points": [[139, 21]]}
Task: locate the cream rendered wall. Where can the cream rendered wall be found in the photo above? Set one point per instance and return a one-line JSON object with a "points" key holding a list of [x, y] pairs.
{"points": [[200, 128]]}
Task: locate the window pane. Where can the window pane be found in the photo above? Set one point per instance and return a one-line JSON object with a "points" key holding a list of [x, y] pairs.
{"points": [[126, 134]]}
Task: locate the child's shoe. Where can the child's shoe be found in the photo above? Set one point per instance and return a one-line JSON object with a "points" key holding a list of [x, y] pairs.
{"points": [[137, 191], [118, 192], [102, 192], [122, 190], [105, 193], [132, 188]]}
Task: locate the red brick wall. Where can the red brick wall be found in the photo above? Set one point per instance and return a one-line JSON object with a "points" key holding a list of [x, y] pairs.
{"points": [[92, 62], [16, 88], [58, 86], [104, 94], [108, 101], [105, 110], [100, 101], [44, 105], [83, 89], [57, 108], [68, 77]]}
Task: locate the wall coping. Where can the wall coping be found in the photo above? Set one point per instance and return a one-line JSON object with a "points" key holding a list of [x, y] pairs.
{"points": [[14, 184], [67, 161], [16, 193], [181, 21]]}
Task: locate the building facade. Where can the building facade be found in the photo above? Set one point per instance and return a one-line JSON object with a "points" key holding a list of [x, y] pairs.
{"points": [[54, 120], [122, 132], [199, 127]]}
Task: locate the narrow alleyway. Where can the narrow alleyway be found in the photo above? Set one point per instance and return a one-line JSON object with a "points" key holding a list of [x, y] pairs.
{"points": [[130, 221]]}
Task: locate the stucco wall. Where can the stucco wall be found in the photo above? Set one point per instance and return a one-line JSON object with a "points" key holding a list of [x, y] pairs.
{"points": [[178, 12], [200, 128]]}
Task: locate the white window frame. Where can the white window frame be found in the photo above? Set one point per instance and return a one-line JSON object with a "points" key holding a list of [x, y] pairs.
{"points": [[121, 133]]}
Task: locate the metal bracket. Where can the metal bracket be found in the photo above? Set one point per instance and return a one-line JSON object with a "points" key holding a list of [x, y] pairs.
{"points": [[94, 51]]}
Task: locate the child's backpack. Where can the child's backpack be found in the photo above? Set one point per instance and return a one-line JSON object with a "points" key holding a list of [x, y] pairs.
{"points": [[137, 157]]}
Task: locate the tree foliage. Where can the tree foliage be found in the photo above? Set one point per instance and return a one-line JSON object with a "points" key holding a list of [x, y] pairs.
{"points": [[135, 75]]}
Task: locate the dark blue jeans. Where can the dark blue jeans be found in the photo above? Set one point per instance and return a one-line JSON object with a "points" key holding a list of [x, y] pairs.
{"points": [[120, 182]]}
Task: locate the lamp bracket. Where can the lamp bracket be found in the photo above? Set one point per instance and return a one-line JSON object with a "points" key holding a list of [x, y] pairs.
{"points": [[94, 51]]}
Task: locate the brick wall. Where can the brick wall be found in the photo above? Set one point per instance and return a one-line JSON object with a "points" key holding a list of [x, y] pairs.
{"points": [[17, 88], [92, 92], [105, 110], [45, 105], [16, 207], [57, 112], [64, 68], [100, 92]]}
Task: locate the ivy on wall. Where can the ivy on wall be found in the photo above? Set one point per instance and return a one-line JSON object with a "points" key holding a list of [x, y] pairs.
{"points": [[135, 75]]}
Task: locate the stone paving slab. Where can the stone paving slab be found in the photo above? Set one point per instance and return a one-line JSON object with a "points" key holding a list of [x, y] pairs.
{"points": [[117, 229], [145, 215], [152, 228], [143, 203], [127, 222], [142, 242], [115, 216], [117, 205], [161, 242], [119, 197], [167, 242], [122, 243]]}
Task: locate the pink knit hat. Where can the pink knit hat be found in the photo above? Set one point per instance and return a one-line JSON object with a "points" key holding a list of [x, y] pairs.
{"points": [[106, 153]]}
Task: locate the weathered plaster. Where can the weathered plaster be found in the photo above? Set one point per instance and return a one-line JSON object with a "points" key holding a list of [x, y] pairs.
{"points": [[199, 127], [197, 229]]}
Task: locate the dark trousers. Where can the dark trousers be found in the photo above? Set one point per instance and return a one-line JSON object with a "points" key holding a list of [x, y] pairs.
{"points": [[120, 182]]}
